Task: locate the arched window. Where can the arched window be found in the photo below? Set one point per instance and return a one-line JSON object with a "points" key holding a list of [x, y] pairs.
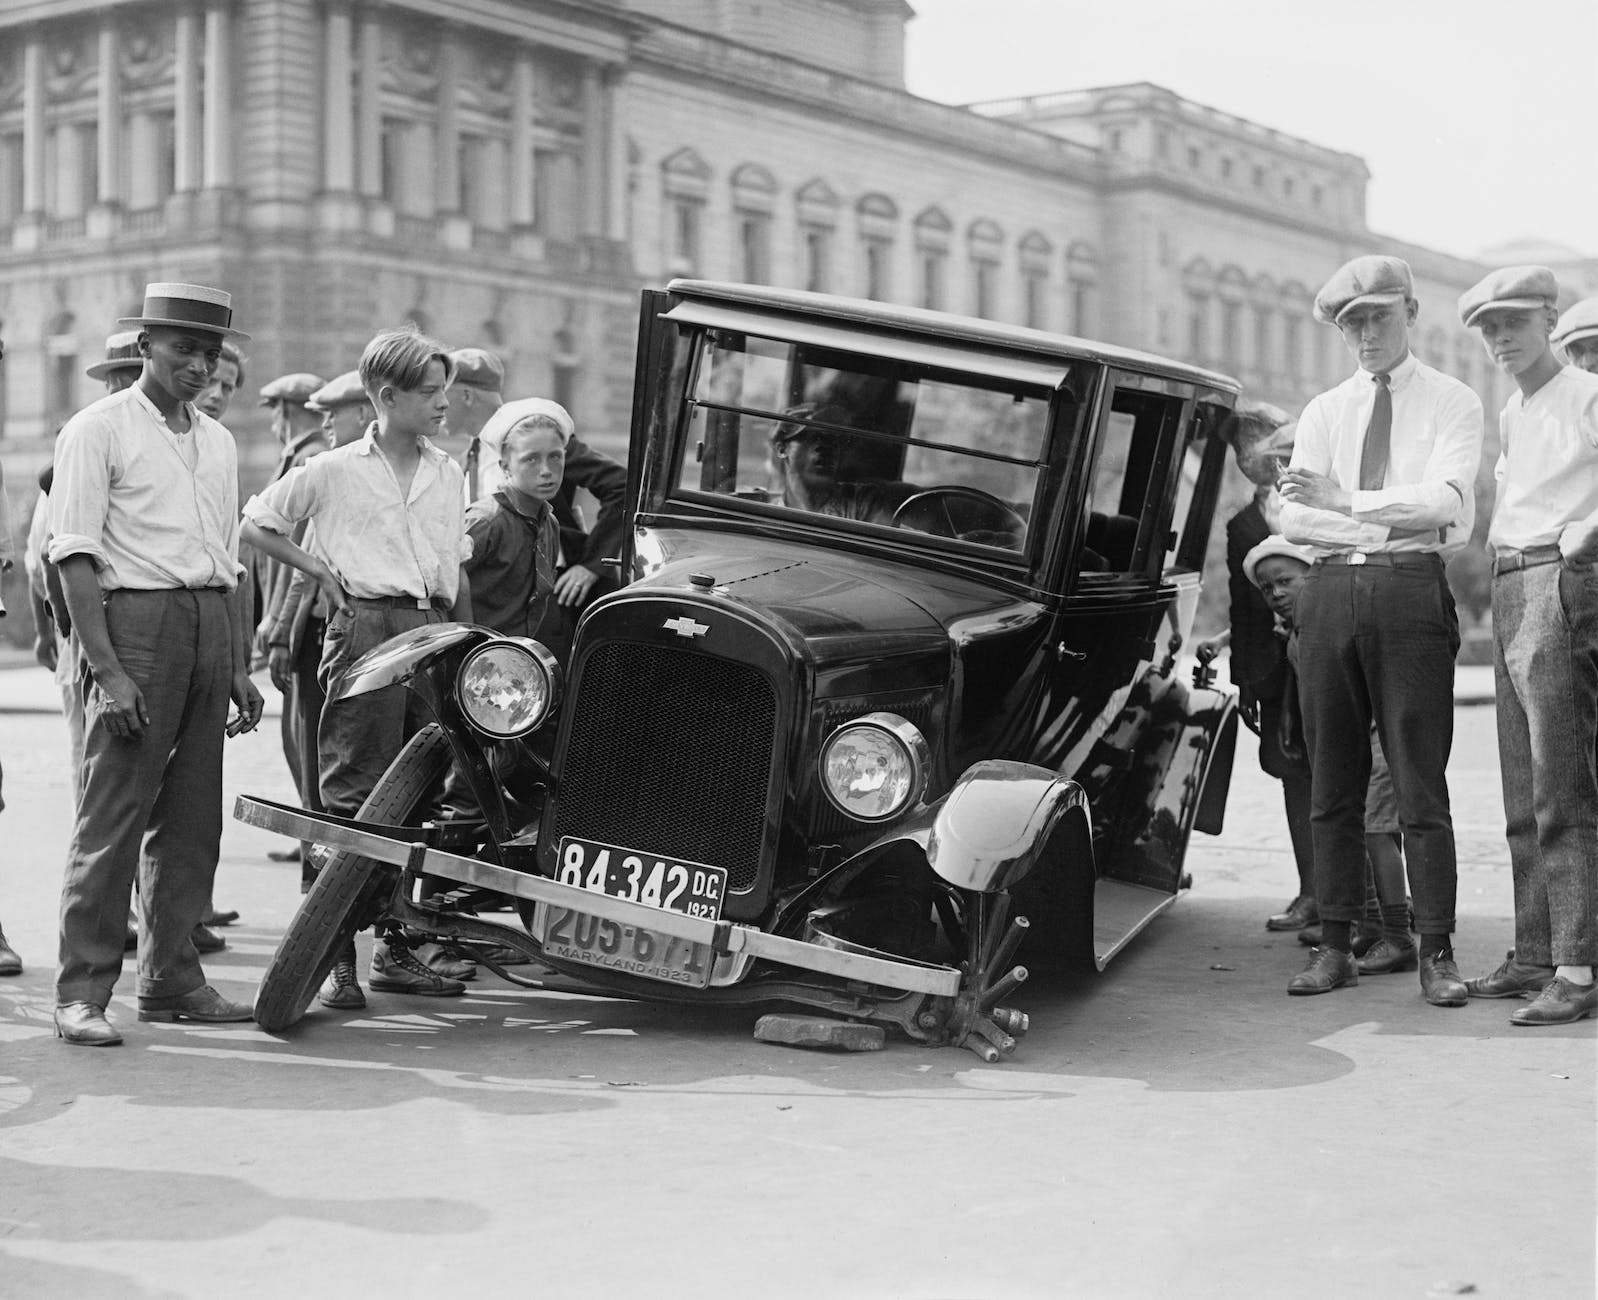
{"points": [[985, 248], [685, 184], [878, 216], [816, 207], [932, 231], [1037, 254], [1082, 285], [61, 346], [754, 192]]}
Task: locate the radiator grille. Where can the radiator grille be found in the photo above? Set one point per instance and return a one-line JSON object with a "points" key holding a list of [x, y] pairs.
{"points": [[671, 753]]}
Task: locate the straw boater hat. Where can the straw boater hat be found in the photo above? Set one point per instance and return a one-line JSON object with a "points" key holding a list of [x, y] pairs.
{"points": [[186, 306], [121, 353]]}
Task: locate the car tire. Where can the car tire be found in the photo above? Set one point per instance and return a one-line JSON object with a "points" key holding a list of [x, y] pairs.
{"points": [[350, 885]]}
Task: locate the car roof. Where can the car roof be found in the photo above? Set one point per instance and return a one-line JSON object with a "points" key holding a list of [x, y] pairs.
{"points": [[947, 326]]}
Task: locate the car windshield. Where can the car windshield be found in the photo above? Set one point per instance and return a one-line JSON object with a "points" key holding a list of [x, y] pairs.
{"points": [[782, 426]]}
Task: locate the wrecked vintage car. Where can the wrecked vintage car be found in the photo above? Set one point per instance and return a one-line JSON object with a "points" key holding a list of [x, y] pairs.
{"points": [[891, 698]]}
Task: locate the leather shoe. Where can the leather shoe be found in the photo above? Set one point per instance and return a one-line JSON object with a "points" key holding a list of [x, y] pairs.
{"points": [[396, 970], [1559, 1003], [1511, 979], [1311, 935], [214, 917], [1384, 957], [342, 992], [1440, 982], [1328, 969], [207, 940], [1302, 911], [204, 1006], [436, 958], [10, 959], [1365, 936], [84, 1025]]}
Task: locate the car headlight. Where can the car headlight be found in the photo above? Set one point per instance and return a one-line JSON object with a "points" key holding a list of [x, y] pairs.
{"points": [[508, 687], [875, 767]]}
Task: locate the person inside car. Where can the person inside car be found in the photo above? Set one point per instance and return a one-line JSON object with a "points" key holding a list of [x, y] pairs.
{"points": [[806, 460]]}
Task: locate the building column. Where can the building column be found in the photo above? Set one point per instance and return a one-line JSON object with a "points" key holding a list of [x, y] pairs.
{"points": [[218, 95], [616, 167], [69, 195], [338, 107], [143, 162], [448, 158], [369, 106], [108, 109], [522, 108], [33, 97], [593, 134], [186, 101]]}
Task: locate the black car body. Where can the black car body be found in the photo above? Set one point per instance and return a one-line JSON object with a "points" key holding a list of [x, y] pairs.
{"points": [[897, 663]]}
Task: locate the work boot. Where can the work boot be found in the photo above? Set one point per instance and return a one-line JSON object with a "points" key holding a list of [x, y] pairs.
{"points": [[342, 991], [205, 940], [439, 960], [396, 970]]}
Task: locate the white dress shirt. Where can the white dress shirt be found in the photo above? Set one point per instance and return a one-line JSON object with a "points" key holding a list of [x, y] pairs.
{"points": [[1431, 468], [377, 540], [1548, 470], [154, 510]]}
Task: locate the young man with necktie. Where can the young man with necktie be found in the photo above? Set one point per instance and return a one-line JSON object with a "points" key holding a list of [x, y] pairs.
{"points": [[1382, 488]]}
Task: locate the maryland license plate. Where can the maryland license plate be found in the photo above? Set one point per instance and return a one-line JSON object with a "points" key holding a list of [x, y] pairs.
{"points": [[691, 888]]}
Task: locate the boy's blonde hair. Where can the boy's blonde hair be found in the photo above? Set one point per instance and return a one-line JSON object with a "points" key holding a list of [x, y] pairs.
{"points": [[400, 358]]}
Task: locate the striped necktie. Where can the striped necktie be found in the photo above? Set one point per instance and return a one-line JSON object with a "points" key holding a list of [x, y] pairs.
{"points": [[1378, 438]]}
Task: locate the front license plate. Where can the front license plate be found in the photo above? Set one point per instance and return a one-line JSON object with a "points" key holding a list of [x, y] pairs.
{"points": [[691, 888]]}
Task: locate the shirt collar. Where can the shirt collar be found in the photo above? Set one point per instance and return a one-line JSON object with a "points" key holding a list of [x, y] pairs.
{"points": [[368, 445], [529, 508], [143, 398], [1399, 375]]}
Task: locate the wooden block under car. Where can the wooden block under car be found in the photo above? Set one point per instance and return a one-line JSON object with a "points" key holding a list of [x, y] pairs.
{"points": [[815, 1031]]}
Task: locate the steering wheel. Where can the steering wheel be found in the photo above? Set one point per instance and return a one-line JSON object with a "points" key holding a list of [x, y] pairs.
{"points": [[967, 514]]}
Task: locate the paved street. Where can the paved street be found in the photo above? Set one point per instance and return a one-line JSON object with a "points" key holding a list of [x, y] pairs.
{"points": [[1176, 1127]]}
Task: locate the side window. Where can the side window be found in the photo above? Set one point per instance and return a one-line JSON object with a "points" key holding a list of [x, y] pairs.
{"points": [[1124, 494]]}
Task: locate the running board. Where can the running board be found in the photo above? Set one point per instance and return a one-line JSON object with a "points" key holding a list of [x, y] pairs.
{"points": [[1121, 910]]}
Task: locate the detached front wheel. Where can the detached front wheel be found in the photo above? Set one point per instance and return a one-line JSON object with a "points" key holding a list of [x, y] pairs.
{"points": [[351, 887]]}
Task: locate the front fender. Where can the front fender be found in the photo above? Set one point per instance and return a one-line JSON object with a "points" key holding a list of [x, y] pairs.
{"points": [[398, 659]]}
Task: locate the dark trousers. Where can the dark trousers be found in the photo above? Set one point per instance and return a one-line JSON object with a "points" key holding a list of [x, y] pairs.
{"points": [[359, 737], [1378, 642], [161, 791], [1292, 770], [305, 702]]}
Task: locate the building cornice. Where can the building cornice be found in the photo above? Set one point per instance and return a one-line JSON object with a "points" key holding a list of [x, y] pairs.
{"points": [[1208, 197], [693, 55]]}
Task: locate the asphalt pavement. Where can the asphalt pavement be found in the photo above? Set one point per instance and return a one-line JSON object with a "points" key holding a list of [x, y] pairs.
{"points": [[1176, 1126]]}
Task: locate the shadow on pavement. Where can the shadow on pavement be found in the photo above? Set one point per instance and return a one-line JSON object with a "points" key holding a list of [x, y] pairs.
{"points": [[33, 1277]]}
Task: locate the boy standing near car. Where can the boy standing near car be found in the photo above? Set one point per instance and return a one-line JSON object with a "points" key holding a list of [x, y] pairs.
{"points": [[388, 551], [1382, 488], [144, 522], [1544, 540]]}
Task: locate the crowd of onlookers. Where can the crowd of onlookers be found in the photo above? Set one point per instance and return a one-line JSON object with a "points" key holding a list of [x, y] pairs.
{"points": [[157, 594]]}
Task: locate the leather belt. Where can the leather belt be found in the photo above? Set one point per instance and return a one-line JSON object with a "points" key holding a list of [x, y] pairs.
{"points": [[1530, 558], [398, 602], [1384, 559]]}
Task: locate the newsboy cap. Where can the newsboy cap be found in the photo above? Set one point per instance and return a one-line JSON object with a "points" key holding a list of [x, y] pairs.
{"points": [[1274, 545], [1578, 323], [121, 353], [345, 390], [475, 368], [1364, 280], [1514, 287], [186, 306], [296, 388]]}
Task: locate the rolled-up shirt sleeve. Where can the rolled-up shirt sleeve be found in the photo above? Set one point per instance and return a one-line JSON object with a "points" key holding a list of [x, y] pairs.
{"points": [[1450, 472], [1326, 530], [283, 505], [80, 494]]}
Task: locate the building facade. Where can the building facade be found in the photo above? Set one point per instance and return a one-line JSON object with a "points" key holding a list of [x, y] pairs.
{"points": [[509, 173]]}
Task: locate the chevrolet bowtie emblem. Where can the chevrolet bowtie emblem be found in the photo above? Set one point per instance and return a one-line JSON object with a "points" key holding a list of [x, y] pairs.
{"points": [[685, 626]]}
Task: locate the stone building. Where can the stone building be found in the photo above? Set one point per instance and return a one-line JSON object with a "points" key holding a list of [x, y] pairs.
{"points": [[510, 172]]}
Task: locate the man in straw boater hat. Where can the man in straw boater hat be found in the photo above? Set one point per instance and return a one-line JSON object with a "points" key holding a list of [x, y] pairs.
{"points": [[122, 363], [144, 515]]}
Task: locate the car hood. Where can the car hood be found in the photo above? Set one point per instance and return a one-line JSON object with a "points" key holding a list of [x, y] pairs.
{"points": [[840, 605]]}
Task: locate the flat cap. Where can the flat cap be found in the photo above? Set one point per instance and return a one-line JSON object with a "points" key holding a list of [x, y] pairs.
{"points": [[296, 388], [1364, 280], [1580, 322], [1274, 545], [121, 353], [475, 368], [346, 390], [1512, 288]]}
